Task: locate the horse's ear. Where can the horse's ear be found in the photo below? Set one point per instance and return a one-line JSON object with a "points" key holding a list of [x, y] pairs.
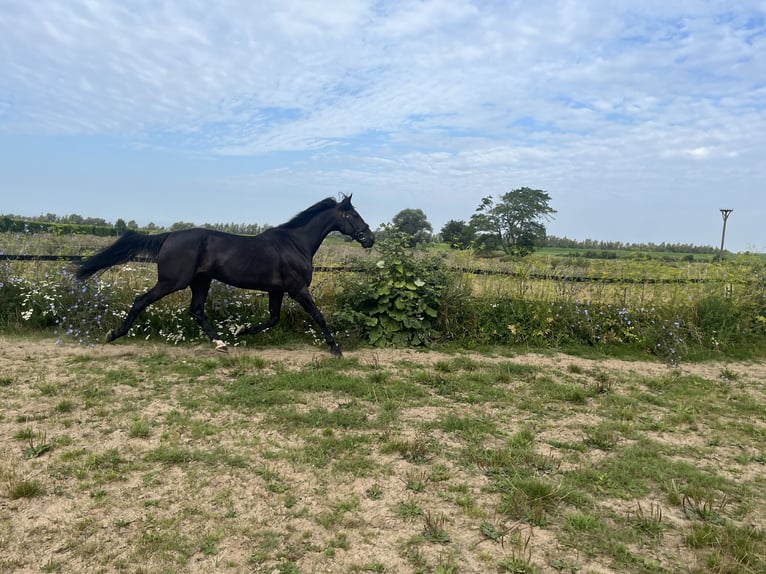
{"points": [[346, 203]]}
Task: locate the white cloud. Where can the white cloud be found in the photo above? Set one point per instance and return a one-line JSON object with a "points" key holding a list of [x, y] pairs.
{"points": [[438, 97]]}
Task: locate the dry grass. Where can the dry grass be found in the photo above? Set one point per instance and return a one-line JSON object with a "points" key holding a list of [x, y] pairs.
{"points": [[144, 458]]}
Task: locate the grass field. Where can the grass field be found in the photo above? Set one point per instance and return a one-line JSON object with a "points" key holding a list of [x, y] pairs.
{"points": [[151, 458]]}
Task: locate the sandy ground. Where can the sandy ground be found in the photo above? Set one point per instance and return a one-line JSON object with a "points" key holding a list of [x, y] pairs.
{"points": [[42, 361]]}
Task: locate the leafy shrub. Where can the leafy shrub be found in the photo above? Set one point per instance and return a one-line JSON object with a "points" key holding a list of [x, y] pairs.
{"points": [[719, 317], [397, 299]]}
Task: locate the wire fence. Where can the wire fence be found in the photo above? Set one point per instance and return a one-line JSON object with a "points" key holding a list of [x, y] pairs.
{"points": [[572, 278]]}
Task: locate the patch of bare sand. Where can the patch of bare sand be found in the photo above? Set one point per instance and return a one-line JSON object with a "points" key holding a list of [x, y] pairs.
{"points": [[15, 352]]}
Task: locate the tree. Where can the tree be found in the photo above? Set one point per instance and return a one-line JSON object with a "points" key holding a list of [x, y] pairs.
{"points": [[515, 222], [458, 234], [413, 222], [178, 225]]}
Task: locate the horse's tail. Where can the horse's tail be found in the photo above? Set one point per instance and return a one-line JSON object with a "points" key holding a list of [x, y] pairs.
{"points": [[126, 248]]}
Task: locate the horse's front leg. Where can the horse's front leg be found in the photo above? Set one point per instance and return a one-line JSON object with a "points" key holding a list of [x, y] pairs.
{"points": [[304, 298]]}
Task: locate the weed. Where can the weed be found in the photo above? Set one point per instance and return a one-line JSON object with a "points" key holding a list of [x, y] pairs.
{"points": [[648, 521], [416, 557], [499, 532], [140, 428], [287, 568], [446, 566], [48, 389], [516, 565], [416, 480], [175, 455], [65, 406], [37, 446], [433, 528], [703, 506], [530, 499], [417, 450], [566, 565], [409, 510], [340, 541], [208, 545], [603, 382], [334, 516], [472, 428], [25, 489], [397, 300], [727, 375], [519, 558], [603, 436], [375, 492], [467, 502], [439, 473]]}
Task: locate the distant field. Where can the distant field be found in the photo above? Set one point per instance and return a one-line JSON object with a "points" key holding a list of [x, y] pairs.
{"points": [[622, 254], [546, 275]]}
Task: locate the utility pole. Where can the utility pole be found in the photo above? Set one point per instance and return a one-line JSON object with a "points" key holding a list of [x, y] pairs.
{"points": [[725, 214]]}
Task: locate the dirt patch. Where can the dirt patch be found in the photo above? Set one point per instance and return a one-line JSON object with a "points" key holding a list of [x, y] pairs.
{"points": [[183, 498], [18, 351]]}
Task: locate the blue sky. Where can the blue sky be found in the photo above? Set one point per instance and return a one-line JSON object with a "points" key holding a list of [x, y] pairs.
{"points": [[640, 119]]}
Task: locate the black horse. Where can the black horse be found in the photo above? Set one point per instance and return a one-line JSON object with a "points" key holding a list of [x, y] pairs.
{"points": [[277, 261]]}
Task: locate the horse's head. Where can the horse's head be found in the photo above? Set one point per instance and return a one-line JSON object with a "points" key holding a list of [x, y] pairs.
{"points": [[352, 224]]}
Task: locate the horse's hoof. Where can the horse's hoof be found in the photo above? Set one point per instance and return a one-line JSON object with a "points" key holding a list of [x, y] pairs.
{"points": [[240, 331], [336, 352], [110, 337], [220, 346]]}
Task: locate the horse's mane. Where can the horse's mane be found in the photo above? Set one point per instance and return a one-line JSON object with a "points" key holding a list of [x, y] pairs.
{"points": [[307, 214]]}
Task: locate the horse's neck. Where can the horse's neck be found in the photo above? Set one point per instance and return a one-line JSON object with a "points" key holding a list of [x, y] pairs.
{"points": [[311, 235]]}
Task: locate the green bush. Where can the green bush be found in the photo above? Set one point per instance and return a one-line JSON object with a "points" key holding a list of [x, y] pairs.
{"points": [[397, 299]]}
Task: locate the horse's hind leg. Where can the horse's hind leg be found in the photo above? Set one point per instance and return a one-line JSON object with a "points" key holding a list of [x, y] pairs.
{"points": [[275, 310], [200, 287], [139, 304]]}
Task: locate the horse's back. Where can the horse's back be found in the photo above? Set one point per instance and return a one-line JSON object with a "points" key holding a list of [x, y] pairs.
{"points": [[264, 262], [187, 252]]}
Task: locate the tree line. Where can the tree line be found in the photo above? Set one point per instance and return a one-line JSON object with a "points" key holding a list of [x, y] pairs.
{"points": [[594, 245], [78, 225], [513, 223]]}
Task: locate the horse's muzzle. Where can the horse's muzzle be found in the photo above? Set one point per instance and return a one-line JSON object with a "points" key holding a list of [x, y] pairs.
{"points": [[365, 237]]}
